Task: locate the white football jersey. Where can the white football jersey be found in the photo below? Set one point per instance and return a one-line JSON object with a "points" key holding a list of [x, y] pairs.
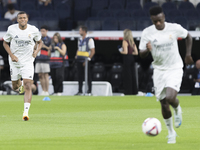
{"points": [[164, 43], [22, 42]]}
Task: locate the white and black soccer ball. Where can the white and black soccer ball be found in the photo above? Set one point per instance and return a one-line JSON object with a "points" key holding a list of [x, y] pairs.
{"points": [[151, 127]]}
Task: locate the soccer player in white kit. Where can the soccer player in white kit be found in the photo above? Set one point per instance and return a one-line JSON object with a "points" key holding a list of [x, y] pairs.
{"points": [[22, 38], [161, 40]]}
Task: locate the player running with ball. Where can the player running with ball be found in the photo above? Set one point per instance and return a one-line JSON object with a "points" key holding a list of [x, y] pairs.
{"points": [[22, 37], [160, 39]]}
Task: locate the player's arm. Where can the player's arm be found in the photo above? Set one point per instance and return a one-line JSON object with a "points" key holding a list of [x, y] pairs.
{"points": [[188, 57], [144, 53], [38, 48], [62, 50], [7, 48], [92, 48]]}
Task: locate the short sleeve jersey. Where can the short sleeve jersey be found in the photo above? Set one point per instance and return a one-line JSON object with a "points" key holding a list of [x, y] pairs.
{"points": [[164, 43], [22, 41]]}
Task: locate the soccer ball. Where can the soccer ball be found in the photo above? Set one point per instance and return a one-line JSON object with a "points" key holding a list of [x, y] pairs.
{"points": [[151, 127]]}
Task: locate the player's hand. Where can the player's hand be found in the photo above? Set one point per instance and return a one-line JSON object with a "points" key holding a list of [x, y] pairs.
{"points": [[34, 54], [188, 60], [56, 47], [14, 58], [149, 47]]}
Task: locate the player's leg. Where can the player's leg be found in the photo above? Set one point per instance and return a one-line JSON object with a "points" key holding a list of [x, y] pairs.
{"points": [[27, 97], [42, 82], [16, 84], [46, 78], [60, 79], [171, 97]]}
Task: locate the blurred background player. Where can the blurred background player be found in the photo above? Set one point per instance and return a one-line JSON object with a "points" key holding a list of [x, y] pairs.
{"points": [[59, 60], [86, 48], [42, 64], [196, 75], [11, 14], [129, 49], [161, 40], [21, 53]]}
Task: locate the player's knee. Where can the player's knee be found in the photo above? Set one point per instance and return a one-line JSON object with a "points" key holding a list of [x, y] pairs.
{"points": [[15, 87], [165, 105], [27, 86], [170, 98], [40, 75]]}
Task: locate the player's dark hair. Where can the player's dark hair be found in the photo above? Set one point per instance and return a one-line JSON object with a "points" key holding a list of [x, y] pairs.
{"points": [[155, 10], [84, 28], [22, 12], [44, 27], [10, 7]]}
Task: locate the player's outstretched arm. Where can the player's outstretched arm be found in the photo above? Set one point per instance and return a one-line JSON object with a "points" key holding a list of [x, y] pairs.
{"points": [[7, 48], [188, 57]]}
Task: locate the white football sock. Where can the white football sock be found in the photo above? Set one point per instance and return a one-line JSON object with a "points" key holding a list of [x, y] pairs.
{"points": [[26, 107], [22, 83], [169, 124]]}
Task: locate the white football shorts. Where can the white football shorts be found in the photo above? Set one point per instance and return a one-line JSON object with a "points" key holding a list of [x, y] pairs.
{"points": [[25, 71], [166, 78]]}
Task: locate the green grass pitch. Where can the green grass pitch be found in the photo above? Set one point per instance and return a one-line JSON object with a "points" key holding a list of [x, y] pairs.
{"points": [[93, 123]]}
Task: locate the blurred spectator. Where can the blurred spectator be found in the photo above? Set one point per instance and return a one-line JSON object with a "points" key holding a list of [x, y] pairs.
{"points": [[44, 2], [11, 14], [196, 90], [1, 64], [6, 2], [86, 49], [128, 50], [59, 60], [42, 65]]}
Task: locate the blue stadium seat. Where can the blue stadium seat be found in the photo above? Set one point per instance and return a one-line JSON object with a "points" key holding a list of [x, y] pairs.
{"points": [[105, 13], [34, 14], [50, 14], [82, 3], [27, 6], [63, 10], [198, 8], [93, 24], [34, 22], [80, 14], [115, 6], [182, 21], [193, 19], [184, 6], [168, 6], [133, 6], [127, 24], [121, 14], [191, 14], [65, 2], [110, 24], [143, 23], [97, 6], [52, 24], [4, 24], [148, 5], [132, 1], [136, 15], [43, 8], [122, 2], [173, 14]]}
